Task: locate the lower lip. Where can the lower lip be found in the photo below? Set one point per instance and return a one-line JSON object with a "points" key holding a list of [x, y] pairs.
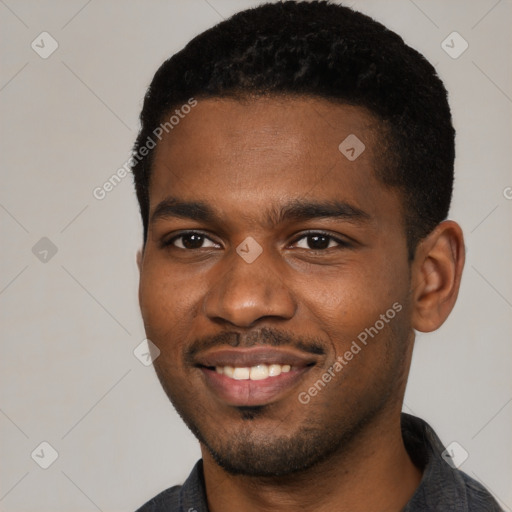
{"points": [[252, 392]]}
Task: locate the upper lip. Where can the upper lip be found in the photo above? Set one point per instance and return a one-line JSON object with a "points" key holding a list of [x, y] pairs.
{"points": [[247, 357]]}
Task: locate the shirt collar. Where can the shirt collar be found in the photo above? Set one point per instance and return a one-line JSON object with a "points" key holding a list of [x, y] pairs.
{"points": [[440, 485]]}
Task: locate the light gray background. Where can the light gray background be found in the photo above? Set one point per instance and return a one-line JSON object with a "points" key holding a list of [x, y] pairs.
{"points": [[70, 325]]}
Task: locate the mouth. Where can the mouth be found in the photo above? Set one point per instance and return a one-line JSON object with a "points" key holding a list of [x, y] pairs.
{"points": [[253, 377], [258, 372]]}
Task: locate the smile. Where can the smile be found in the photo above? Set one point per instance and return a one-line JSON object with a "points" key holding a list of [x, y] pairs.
{"points": [[258, 372], [253, 376]]}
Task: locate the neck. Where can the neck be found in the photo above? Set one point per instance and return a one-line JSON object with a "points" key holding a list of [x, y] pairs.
{"points": [[373, 473]]}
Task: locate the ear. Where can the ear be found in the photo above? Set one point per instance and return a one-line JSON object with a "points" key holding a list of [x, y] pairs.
{"points": [[140, 256], [436, 275]]}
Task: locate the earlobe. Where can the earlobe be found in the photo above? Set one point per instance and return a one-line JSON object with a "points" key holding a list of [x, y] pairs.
{"points": [[436, 275], [140, 255]]}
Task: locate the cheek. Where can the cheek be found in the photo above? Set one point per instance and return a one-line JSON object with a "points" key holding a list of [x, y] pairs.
{"points": [[349, 299], [165, 304]]}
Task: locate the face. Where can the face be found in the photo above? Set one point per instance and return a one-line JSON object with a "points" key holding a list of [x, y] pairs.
{"points": [[275, 280]]}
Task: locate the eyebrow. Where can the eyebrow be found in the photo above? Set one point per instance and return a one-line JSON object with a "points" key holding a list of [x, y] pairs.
{"points": [[294, 210]]}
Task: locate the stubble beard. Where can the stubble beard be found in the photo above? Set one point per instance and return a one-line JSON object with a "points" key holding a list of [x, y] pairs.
{"points": [[251, 451]]}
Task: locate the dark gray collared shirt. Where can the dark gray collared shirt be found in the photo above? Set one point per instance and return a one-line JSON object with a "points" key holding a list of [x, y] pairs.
{"points": [[441, 489]]}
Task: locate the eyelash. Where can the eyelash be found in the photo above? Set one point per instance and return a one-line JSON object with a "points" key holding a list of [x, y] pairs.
{"points": [[341, 243]]}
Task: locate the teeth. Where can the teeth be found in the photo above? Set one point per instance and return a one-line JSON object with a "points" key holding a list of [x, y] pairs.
{"points": [[241, 373], [228, 371], [274, 370], [259, 372]]}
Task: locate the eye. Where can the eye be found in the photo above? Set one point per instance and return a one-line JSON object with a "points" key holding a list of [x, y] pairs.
{"points": [[190, 240], [318, 241]]}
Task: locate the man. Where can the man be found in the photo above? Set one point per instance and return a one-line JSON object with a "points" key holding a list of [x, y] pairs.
{"points": [[294, 171]]}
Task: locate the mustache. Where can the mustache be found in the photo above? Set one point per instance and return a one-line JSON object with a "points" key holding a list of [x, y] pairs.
{"points": [[263, 336]]}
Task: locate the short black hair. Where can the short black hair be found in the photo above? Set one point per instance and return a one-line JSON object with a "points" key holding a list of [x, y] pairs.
{"points": [[323, 50]]}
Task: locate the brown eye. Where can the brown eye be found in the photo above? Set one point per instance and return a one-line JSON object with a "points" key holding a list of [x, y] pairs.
{"points": [[319, 242], [191, 240]]}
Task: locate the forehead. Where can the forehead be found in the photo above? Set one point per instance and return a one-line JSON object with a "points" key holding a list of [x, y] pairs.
{"points": [[242, 155]]}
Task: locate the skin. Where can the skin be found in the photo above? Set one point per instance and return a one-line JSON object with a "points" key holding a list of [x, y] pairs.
{"points": [[241, 158]]}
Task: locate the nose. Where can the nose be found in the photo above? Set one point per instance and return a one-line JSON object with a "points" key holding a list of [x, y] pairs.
{"points": [[246, 293]]}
